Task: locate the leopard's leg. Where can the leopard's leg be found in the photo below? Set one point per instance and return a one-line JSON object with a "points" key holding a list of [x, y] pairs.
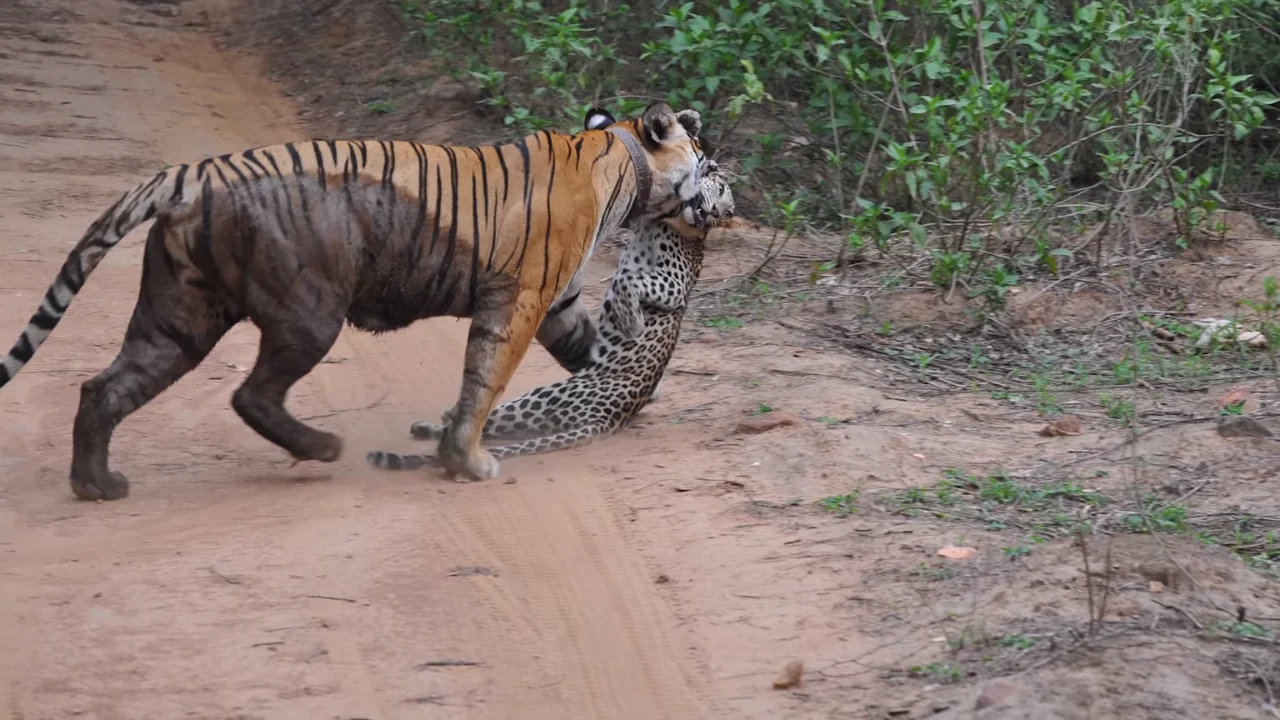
{"points": [[551, 414], [568, 334], [533, 412], [563, 440], [603, 407], [622, 303], [550, 443]]}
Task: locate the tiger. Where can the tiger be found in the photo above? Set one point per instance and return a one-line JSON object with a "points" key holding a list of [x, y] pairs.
{"points": [[638, 329], [300, 237]]}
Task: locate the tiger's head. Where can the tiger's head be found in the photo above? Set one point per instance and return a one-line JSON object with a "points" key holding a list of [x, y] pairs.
{"points": [[670, 144], [713, 205]]}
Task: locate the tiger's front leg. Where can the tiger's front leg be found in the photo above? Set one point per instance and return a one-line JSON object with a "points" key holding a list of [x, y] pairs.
{"points": [[568, 334], [535, 412], [498, 340]]}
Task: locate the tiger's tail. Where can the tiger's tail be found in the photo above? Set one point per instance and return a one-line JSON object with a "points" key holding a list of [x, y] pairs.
{"points": [[163, 193]]}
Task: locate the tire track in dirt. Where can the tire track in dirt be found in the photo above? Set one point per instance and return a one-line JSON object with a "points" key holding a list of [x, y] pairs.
{"points": [[230, 583]]}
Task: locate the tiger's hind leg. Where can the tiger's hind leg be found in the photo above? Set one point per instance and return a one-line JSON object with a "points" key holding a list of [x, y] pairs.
{"points": [[292, 344], [172, 329]]}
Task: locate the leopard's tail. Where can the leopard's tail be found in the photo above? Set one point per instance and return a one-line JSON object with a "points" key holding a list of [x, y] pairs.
{"points": [[392, 461]]}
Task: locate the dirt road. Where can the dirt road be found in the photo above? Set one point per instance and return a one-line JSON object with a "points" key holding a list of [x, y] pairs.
{"points": [[229, 584]]}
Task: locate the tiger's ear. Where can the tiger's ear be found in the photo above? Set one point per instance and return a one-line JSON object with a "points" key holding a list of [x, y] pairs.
{"points": [[659, 122], [598, 119]]}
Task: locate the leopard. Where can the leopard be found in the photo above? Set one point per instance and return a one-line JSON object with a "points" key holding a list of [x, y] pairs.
{"points": [[636, 335]]}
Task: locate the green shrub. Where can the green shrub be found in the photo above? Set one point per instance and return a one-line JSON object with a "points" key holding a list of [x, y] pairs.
{"points": [[968, 130]]}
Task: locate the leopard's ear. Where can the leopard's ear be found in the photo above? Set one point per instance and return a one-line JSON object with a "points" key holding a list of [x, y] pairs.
{"points": [[691, 121]]}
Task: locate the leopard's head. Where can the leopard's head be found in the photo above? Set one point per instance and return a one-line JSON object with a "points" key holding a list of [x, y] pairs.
{"points": [[713, 205]]}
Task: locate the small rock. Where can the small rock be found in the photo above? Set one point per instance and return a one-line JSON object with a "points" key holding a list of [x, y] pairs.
{"points": [[954, 552], [509, 481], [1170, 578], [995, 693], [1252, 338], [1223, 331], [1213, 329], [766, 422], [1063, 426], [165, 10], [1241, 398], [662, 579], [792, 675], [1155, 586], [1235, 426]]}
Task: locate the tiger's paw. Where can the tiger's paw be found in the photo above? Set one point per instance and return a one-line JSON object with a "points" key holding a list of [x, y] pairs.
{"points": [[112, 486], [322, 446], [480, 466]]}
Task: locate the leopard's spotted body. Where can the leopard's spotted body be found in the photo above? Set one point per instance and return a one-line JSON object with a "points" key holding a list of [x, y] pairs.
{"points": [[639, 327]]}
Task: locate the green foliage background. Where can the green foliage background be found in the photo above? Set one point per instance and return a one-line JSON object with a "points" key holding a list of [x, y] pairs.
{"points": [[980, 133]]}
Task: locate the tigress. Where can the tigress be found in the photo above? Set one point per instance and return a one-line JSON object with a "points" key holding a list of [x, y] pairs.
{"points": [[300, 236]]}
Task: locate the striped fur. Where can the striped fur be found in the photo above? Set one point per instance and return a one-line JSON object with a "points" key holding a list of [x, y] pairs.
{"points": [[302, 236], [638, 330]]}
